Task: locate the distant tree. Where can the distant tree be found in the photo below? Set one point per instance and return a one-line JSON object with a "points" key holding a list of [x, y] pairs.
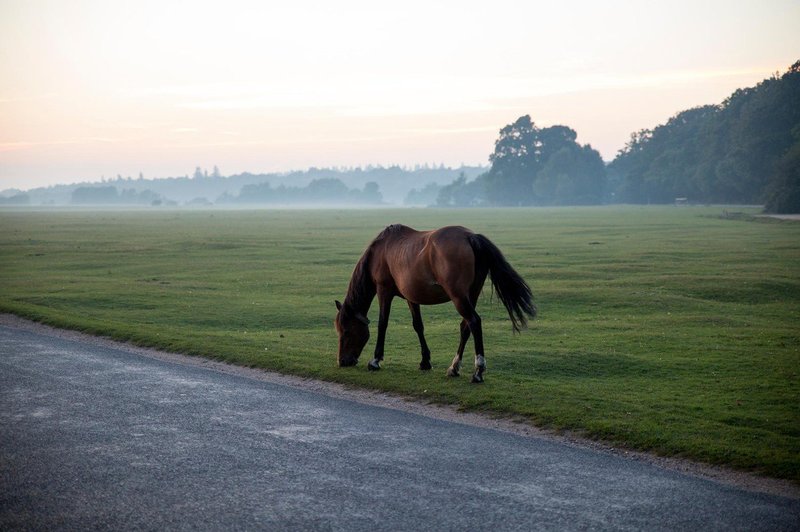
{"points": [[104, 195], [148, 196], [573, 175], [424, 196], [131, 196], [514, 164], [325, 190], [215, 173], [371, 193], [533, 166], [463, 193], [17, 199], [198, 173], [226, 197], [553, 139], [256, 193]]}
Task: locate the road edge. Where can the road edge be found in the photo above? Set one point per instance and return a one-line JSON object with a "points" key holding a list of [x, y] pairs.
{"points": [[739, 479]]}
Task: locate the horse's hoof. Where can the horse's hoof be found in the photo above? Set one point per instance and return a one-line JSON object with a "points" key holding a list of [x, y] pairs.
{"points": [[374, 365], [452, 372], [425, 365], [477, 379]]}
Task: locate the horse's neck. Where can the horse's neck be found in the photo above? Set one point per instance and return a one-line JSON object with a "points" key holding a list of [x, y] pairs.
{"points": [[362, 289]]}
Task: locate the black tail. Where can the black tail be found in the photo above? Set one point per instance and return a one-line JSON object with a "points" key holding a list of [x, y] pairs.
{"points": [[512, 289]]}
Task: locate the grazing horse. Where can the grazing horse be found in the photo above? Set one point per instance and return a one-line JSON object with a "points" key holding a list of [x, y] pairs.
{"points": [[427, 268]]}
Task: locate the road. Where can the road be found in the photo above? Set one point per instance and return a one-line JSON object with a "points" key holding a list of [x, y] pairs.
{"points": [[99, 437]]}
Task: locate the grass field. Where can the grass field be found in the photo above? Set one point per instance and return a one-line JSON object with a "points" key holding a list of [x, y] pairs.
{"points": [[663, 329]]}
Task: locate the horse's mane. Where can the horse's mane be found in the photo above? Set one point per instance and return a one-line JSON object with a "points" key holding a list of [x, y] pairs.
{"points": [[390, 230], [361, 289]]}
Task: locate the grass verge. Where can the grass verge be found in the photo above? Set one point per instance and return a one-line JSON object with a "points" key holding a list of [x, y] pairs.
{"points": [[669, 330]]}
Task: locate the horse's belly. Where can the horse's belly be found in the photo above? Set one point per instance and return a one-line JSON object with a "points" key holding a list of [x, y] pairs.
{"points": [[425, 293]]}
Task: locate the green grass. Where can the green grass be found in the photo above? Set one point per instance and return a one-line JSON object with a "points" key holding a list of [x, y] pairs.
{"points": [[667, 330]]}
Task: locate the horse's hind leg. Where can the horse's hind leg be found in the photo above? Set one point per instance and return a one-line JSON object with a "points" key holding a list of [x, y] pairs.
{"points": [[455, 367], [467, 311], [477, 335], [416, 318]]}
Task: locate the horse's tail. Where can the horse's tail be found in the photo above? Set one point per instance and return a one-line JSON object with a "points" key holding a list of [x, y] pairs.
{"points": [[512, 289]]}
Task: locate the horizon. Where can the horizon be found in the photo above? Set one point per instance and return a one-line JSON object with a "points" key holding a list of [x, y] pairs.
{"points": [[208, 174], [92, 89]]}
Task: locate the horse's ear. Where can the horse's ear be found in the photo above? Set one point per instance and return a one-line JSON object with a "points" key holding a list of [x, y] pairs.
{"points": [[338, 305]]}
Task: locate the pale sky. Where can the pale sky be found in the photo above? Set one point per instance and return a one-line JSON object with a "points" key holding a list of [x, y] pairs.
{"points": [[100, 88]]}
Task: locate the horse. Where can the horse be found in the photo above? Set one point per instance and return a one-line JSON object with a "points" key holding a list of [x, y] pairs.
{"points": [[427, 268]]}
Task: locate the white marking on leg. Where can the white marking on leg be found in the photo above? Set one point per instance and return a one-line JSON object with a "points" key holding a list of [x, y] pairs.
{"points": [[480, 362], [456, 365]]}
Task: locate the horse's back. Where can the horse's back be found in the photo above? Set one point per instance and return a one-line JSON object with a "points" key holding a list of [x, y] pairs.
{"points": [[451, 235], [452, 257], [427, 266]]}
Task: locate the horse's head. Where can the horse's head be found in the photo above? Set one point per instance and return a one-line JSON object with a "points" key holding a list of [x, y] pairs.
{"points": [[353, 330]]}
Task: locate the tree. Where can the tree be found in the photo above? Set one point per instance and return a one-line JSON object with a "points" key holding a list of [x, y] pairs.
{"points": [[326, 189], [425, 196], [514, 164], [783, 195], [574, 175], [371, 193], [461, 193], [727, 153], [532, 166], [17, 199], [95, 195]]}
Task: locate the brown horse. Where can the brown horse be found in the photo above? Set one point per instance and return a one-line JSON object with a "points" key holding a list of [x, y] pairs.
{"points": [[427, 268]]}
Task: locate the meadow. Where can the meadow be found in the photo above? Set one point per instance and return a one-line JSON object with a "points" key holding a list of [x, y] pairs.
{"points": [[662, 329]]}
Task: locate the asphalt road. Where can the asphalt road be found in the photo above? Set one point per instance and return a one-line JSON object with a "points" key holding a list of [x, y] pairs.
{"points": [[95, 437]]}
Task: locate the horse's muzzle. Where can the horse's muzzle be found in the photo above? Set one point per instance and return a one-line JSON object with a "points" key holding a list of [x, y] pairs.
{"points": [[347, 362]]}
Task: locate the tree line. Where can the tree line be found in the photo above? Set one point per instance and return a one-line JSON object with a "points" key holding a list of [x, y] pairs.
{"points": [[318, 191], [204, 187], [109, 195], [745, 150], [325, 190]]}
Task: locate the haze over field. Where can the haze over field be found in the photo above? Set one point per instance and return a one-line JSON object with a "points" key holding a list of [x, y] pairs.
{"points": [[92, 88]]}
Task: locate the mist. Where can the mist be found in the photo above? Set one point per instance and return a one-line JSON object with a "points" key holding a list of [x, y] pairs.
{"points": [[372, 186]]}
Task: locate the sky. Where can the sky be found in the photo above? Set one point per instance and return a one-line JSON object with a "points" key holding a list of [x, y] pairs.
{"points": [[94, 89]]}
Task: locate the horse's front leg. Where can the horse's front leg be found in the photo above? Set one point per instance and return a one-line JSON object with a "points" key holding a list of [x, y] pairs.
{"points": [[416, 319], [385, 305]]}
